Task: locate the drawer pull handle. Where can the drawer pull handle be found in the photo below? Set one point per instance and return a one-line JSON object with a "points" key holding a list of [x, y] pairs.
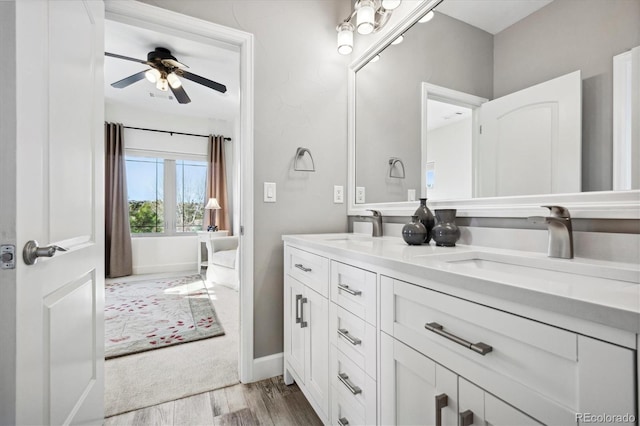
{"points": [[352, 388], [353, 340], [442, 401], [346, 288], [466, 418], [481, 348], [342, 421], [301, 267], [303, 300]]}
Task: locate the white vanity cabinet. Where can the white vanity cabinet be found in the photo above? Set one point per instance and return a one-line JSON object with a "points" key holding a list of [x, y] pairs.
{"points": [[372, 341], [306, 323]]}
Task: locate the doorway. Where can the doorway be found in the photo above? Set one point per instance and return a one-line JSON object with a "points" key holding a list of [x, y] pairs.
{"points": [[151, 18]]}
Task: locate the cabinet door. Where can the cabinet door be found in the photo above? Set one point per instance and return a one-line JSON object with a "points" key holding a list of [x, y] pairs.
{"points": [[315, 313], [413, 388], [478, 407], [294, 344]]}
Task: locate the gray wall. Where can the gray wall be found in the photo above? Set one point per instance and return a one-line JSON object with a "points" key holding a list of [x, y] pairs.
{"points": [[300, 100], [565, 36], [7, 213], [445, 52]]}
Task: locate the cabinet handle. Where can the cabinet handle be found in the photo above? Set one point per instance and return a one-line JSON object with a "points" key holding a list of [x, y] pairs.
{"points": [[346, 288], [352, 388], [442, 401], [342, 421], [466, 418], [481, 348], [303, 300], [298, 316], [301, 266], [353, 340]]}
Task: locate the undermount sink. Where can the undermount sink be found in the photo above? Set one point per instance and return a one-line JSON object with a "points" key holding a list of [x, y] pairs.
{"points": [[541, 268]]}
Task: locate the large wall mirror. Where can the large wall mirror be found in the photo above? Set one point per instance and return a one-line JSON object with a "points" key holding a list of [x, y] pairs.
{"points": [[427, 115]]}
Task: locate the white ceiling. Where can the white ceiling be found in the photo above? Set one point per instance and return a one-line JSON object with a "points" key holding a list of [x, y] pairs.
{"points": [[441, 114], [219, 63], [492, 16]]}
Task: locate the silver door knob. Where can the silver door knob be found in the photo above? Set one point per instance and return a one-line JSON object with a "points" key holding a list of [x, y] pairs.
{"points": [[32, 252]]}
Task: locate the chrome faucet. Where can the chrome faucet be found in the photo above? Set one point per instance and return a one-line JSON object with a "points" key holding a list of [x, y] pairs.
{"points": [[560, 231], [376, 219]]}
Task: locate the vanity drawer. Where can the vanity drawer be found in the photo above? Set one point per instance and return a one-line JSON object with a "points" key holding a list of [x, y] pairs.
{"points": [[354, 337], [345, 410], [531, 365], [355, 290], [358, 388], [308, 268]]}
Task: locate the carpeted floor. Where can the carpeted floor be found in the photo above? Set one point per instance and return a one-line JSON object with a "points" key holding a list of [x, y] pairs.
{"points": [[152, 377], [143, 315]]}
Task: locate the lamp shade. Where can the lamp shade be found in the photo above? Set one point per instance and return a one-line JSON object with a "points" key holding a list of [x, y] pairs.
{"points": [[173, 80], [390, 4], [212, 204]]}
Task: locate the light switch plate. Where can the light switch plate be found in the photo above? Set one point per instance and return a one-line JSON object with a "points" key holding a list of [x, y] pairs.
{"points": [[338, 194], [269, 192], [411, 195], [360, 195]]}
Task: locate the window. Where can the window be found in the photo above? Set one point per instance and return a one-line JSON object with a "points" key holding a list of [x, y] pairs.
{"points": [[166, 196]]}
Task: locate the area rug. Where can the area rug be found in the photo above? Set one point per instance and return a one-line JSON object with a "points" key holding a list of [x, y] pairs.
{"points": [[152, 314]]}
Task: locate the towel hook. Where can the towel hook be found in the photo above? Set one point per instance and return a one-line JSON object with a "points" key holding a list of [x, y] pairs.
{"points": [[392, 162], [299, 154]]}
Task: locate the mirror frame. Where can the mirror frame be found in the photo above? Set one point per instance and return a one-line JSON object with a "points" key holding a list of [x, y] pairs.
{"points": [[593, 205]]}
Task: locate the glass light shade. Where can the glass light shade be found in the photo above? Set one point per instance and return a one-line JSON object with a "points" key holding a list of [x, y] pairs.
{"points": [[366, 17], [162, 84], [345, 38], [398, 40], [390, 4], [426, 18], [374, 59], [152, 75], [173, 80]]}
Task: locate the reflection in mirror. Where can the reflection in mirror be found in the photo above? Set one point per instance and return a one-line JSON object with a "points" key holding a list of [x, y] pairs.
{"points": [[554, 39]]}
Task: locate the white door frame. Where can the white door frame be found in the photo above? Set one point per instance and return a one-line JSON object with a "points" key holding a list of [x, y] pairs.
{"points": [[147, 16]]}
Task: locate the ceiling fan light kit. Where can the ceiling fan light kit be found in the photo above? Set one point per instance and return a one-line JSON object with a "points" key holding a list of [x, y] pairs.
{"points": [[164, 73]]}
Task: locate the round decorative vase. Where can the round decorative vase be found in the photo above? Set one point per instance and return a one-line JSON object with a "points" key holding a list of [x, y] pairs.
{"points": [[426, 218], [446, 232], [414, 232]]}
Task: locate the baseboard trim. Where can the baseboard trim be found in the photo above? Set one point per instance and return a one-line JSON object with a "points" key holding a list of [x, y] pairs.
{"points": [[174, 267], [268, 366]]}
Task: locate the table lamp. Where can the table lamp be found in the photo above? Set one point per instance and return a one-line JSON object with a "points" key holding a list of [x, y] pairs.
{"points": [[212, 205]]}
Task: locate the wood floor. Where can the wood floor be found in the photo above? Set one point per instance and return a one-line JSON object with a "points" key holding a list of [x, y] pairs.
{"points": [[268, 402]]}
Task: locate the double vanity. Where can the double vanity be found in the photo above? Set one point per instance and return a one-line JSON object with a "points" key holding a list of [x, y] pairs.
{"points": [[379, 332]]}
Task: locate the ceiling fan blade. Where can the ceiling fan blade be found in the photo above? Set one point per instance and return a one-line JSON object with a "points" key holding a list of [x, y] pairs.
{"points": [[126, 58], [173, 63], [121, 84], [204, 81], [180, 94]]}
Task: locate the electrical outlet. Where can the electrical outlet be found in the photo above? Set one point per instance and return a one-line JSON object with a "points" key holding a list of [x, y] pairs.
{"points": [[338, 194], [411, 195], [360, 195], [269, 192]]}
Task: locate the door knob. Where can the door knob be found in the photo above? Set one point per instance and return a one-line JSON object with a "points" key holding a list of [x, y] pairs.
{"points": [[32, 252]]}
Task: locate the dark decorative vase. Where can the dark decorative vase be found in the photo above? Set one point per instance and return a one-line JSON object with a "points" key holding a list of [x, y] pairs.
{"points": [[446, 232], [426, 218], [414, 232]]}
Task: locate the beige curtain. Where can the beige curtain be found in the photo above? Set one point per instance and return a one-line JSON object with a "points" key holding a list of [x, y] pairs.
{"points": [[217, 184], [118, 258]]}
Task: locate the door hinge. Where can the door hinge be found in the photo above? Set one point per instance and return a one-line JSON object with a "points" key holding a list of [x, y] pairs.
{"points": [[241, 230], [481, 129]]}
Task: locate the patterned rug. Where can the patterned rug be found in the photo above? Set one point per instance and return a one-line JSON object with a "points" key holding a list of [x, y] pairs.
{"points": [[152, 314]]}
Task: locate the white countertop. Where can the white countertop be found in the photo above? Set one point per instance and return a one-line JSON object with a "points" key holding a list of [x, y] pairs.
{"points": [[604, 292]]}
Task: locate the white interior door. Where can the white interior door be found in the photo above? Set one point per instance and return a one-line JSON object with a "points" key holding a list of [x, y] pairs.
{"points": [[531, 140], [60, 201]]}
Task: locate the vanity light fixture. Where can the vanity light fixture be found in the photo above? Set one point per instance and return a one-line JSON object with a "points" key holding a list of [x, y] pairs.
{"points": [[370, 16], [426, 18]]}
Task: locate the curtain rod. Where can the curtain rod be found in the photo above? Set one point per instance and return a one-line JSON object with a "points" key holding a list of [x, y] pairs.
{"points": [[170, 132]]}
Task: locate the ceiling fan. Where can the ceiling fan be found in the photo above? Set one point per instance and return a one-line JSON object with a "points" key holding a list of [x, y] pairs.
{"points": [[164, 72]]}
